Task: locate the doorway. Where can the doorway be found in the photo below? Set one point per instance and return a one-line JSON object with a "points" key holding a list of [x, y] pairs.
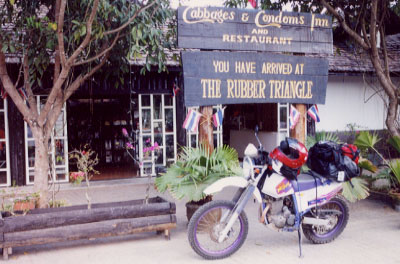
{"points": [[98, 123]]}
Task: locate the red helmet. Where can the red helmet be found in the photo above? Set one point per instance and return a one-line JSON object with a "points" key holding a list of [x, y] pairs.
{"points": [[291, 153]]}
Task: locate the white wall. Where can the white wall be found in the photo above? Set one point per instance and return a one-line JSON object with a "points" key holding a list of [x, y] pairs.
{"points": [[239, 139], [347, 103]]}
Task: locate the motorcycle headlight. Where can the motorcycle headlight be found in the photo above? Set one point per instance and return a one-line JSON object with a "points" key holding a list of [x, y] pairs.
{"points": [[248, 167]]}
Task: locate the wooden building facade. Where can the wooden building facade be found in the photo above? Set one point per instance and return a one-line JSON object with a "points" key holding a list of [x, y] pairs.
{"points": [[95, 116]]}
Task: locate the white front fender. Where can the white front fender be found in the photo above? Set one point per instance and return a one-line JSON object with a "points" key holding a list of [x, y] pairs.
{"points": [[231, 181]]}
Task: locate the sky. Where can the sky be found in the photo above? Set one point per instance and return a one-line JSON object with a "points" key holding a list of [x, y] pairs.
{"points": [[175, 3]]}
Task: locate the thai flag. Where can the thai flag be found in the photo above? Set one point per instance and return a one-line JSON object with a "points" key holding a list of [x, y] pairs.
{"points": [[175, 90], [218, 117], [294, 117], [192, 120], [22, 92], [3, 93], [313, 112]]}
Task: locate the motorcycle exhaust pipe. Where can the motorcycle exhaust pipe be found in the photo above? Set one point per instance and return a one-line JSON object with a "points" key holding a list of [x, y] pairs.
{"points": [[315, 221]]}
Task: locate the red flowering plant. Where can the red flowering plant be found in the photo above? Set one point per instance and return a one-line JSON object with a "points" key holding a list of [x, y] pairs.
{"points": [[76, 177], [85, 159]]}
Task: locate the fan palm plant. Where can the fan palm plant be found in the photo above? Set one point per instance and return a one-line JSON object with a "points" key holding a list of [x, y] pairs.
{"points": [[196, 169], [367, 140]]}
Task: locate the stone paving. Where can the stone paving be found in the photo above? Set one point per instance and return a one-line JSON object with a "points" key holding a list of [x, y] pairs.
{"points": [[371, 236]]}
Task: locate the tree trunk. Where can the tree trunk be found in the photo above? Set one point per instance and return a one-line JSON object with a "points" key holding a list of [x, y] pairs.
{"points": [[41, 181], [299, 131], [206, 137], [391, 117]]}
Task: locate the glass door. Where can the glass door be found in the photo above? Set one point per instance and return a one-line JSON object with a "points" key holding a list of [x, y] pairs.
{"points": [[157, 126], [58, 147], [5, 177], [283, 122]]}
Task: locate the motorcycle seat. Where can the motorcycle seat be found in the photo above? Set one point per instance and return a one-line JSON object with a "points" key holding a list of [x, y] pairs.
{"points": [[306, 181]]}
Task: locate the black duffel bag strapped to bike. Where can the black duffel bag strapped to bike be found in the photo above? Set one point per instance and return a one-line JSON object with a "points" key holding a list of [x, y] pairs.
{"points": [[333, 161]]}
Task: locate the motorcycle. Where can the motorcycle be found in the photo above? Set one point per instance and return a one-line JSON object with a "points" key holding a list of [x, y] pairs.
{"points": [[290, 201]]}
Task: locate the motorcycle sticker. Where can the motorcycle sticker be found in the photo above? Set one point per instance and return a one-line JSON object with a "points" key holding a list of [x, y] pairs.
{"points": [[324, 198], [283, 187]]}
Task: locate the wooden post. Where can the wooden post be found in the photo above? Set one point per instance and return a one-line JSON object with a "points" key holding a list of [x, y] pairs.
{"points": [[299, 131], [206, 136]]}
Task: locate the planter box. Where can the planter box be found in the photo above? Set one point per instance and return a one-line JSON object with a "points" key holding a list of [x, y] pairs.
{"points": [[41, 226], [24, 205]]}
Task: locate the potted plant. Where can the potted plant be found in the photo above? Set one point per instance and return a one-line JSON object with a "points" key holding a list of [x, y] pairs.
{"points": [[196, 169], [25, 204], [76, 177]]}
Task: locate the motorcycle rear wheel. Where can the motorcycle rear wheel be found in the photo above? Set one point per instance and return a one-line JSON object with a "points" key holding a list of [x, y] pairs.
{"points": [[205, 225], [338, 222]]}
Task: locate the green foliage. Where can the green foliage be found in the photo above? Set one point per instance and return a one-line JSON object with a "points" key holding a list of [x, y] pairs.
{"points": [[358, 191], [35, 33], [321, 136], [366, 140], [57, 203], [367, 165], [196, 169], [395, 167], [395, 142]]}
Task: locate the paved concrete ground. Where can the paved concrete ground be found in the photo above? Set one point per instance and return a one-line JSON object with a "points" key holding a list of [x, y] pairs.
{"points": [[372, 236]]}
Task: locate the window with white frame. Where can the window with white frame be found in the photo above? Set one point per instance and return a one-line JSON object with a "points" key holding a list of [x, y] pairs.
{"points": [[5, 178], [157, 123], [283, 121], [58, 147], [192, 138]]}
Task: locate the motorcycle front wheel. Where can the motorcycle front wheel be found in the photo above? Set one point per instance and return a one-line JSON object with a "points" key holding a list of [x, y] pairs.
{"points": [[206, 224], [337, 222]]}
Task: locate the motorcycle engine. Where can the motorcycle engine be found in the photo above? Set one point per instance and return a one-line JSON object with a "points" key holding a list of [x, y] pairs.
{"points": [[281, 212]]}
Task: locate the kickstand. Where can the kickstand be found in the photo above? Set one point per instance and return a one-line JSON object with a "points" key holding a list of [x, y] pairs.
{"points": [[300, 231]]}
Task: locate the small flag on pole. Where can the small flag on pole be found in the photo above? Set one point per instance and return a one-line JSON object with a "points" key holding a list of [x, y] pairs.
{"points": [[218, 117], [294, 117], [3, 93], [175, 90], [192, 120], [313, 112], [22, 92]]}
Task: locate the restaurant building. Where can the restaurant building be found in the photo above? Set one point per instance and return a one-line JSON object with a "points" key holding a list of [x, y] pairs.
{"points": [[151, 107]]}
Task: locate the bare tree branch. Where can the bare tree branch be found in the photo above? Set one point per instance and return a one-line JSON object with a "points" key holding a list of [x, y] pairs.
{"points": [[129, 20], [343, 23], [60, 32], [384, 51], [81, 79], [11, 89], [88, 35], [31, 99], [57, 59], [101, 53], [53, 115], [372, 28], [68, 64], [364, 33], [360, 15]]}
